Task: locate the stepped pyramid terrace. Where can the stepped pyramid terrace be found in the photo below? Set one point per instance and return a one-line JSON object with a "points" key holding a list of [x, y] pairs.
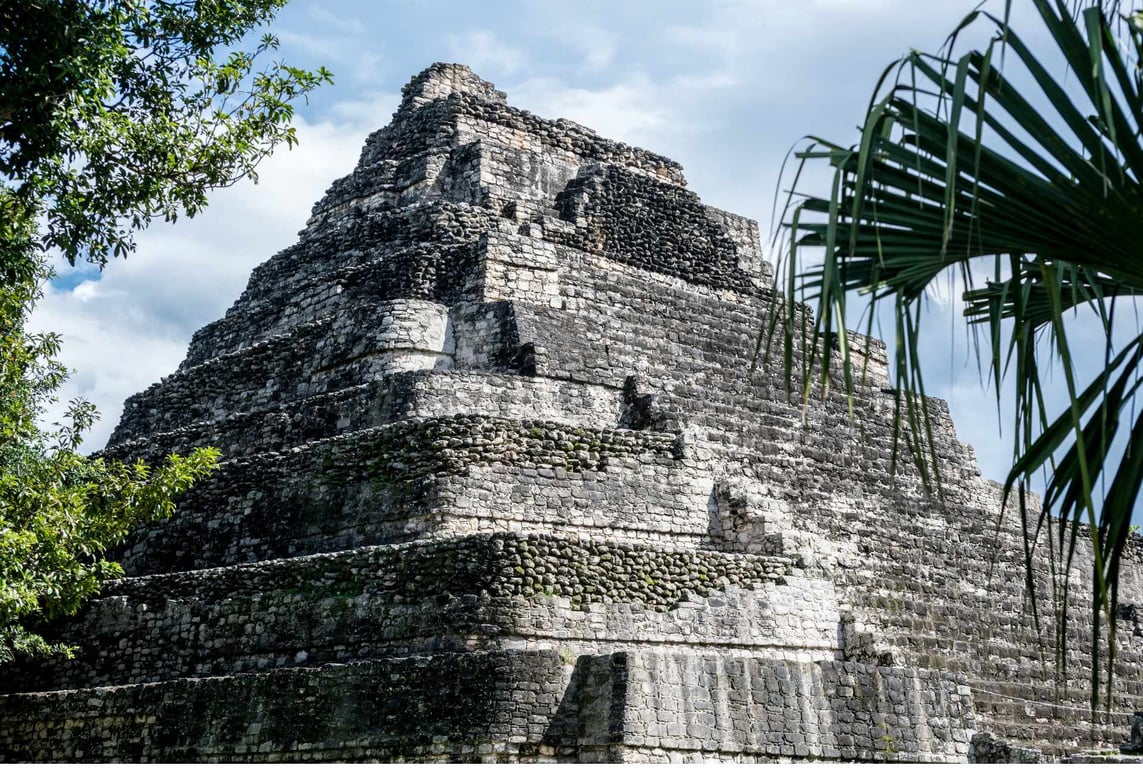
{"points": [[501, 482]]}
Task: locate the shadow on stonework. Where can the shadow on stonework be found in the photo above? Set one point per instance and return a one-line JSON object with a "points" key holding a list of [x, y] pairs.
{"points": [[588, 725]]}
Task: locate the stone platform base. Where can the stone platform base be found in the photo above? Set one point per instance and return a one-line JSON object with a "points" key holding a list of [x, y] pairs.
{"points": [[512, 705]]}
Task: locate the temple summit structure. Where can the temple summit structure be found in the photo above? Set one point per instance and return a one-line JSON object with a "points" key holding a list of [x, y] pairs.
{"points": [[503, 482]]}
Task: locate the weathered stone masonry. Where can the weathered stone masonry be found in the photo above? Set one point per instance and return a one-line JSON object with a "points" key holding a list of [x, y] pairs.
{"points": [[501, 482]]}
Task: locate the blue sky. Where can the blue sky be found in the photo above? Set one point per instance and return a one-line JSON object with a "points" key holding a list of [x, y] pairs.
{"points": [[725, 88]]}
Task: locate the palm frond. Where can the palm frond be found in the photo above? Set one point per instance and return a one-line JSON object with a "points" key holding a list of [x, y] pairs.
{"points": [[1028, 158]]}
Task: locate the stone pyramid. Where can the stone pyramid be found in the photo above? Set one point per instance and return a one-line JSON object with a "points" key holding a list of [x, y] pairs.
{"points": [[503, 483]]}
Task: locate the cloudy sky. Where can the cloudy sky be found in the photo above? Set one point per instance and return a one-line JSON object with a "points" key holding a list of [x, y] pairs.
{"points": [[724, 87]]}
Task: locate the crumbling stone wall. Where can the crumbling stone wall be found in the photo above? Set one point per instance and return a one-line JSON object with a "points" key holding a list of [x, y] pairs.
{"points": [[649, 224], [456, 707], [455, 594]]}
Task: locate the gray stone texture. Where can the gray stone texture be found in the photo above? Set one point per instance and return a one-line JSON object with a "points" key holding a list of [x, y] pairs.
{"points": [[503, 482]]}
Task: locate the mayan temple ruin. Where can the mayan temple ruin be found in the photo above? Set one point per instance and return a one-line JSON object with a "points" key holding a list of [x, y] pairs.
{"points": [[501, 483]]}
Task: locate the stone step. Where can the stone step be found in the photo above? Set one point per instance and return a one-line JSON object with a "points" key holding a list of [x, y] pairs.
{"points": [[425, 476], [395, 396], [279, 368], [276, 426], [1056, 737], [291, 365], [455, 707], [479, 592], [346, 251], [635, 706], [323, 356]]}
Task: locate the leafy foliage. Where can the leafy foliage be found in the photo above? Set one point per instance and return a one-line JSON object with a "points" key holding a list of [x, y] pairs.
{"points": [[117, 112], [59, 511], [112, 113], [988, 162]]}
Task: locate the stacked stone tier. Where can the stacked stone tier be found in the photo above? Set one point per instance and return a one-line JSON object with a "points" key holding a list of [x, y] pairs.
{"points": [[435, 476], [402, 395], [469, 593], [509, 705], [425, 707]]}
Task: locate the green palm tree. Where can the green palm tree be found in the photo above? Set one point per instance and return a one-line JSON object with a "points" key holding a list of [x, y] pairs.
{"points": [[995, 160]]}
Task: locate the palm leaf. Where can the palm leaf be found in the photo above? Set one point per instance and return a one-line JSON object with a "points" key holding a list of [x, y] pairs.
{"points": [[964, 159]]}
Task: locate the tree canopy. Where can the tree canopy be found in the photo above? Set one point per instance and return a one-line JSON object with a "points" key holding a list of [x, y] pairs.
{"points": [[117, 112], [113, 113]]}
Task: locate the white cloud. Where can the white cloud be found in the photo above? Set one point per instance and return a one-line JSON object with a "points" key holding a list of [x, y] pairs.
{"points": [[630, 111], [824, 29], [598, 51], [366, 68], [326, 48], [372, 111], [594, 47], [485, 53], [348, 25]]}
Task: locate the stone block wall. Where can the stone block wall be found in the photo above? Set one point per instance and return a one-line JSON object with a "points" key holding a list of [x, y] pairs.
{"points": [[714, 708], [464, 594], [453, 707], [526, 706]]}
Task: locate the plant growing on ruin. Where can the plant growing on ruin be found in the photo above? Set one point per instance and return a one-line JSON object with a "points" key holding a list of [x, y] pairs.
{"points": [[59, 510], [113, 113], [1021, 179]]}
